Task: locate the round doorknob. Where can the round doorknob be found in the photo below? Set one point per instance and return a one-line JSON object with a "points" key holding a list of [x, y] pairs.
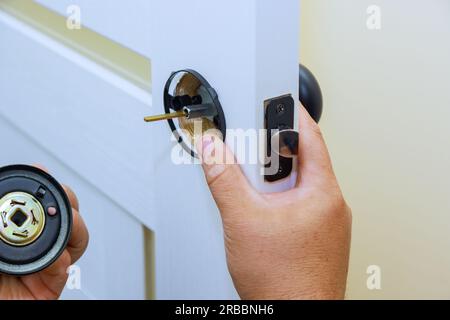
{"points": [[310, 93], [35, 220]]}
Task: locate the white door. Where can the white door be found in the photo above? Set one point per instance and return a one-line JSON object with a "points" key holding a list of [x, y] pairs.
{"points": [[82, 116]]}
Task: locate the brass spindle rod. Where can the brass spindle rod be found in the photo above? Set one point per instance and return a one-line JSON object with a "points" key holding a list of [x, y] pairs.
{"points": [[167, 116]]}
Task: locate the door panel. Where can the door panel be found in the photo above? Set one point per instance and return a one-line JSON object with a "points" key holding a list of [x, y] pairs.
{"points": [[56, 109], [112, 232], [56, 93], [125, 24]]}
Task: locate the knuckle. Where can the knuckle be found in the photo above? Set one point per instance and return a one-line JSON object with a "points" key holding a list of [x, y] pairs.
{"points": [[217, 176], [72, 197], [349, 215], [333, 204], [337, 200], [341, 209]]}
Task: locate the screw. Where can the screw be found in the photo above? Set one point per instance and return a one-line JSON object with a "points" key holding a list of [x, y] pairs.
{"points": [[280, 109]]}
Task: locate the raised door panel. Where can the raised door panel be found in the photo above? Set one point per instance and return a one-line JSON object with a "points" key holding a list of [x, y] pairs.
{"points": [[124, 22], [82, 114], [113, 266]]}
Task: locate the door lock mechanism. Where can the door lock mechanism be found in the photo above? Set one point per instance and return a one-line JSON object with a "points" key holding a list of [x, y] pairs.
{"points": [[191, 100], [36, 220], [23, 218], [282, 140]]}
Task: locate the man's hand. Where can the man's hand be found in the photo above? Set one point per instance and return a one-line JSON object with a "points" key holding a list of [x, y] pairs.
{"points": [[291, 245], [49, 283]]}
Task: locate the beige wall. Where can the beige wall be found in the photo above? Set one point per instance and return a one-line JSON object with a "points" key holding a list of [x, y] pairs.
{"points": [[387, 123]]}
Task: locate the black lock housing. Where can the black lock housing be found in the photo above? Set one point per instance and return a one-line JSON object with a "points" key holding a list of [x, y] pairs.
{"points": [[188, 90]]}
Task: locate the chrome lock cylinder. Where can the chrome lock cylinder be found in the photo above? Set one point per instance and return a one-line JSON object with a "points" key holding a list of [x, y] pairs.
{"points": [[35, 220]]}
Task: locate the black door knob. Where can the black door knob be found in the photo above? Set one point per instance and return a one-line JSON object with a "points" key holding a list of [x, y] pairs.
{"points": [[35, 220], [310, 93]]}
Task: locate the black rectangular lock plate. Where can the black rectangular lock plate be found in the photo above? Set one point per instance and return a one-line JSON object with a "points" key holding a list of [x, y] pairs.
{"points": [[280, 114]]}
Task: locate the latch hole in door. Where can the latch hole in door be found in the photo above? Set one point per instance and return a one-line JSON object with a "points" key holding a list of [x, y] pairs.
{"points": [[188, 93]]}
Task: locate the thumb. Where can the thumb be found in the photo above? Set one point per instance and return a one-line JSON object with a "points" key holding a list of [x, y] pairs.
{"points": [[314, 159], [229, 187]]}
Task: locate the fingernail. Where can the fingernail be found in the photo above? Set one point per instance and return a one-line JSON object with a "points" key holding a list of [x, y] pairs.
{"points": [[204, 143]]}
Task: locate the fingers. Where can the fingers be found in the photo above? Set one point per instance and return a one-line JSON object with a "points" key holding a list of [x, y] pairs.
{"points": [[40, 166], [72, 197], [228, 185], [314, 159], [79, 238], [49, 283]]}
